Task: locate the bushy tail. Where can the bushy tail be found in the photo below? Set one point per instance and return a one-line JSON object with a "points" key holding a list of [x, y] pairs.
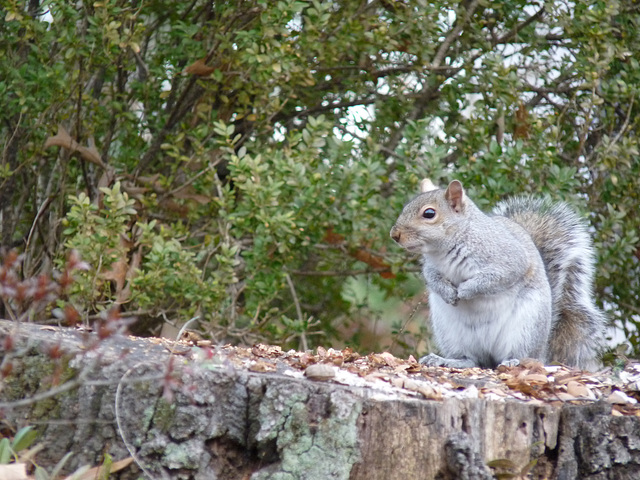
{"points": [[567, 251]]}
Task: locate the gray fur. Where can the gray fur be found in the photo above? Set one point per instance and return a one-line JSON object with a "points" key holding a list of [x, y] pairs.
{"points": [[506, 286]]}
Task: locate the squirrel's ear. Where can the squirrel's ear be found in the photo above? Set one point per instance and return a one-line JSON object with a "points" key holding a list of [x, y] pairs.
{"points": [[426, 185], [455, 196]]}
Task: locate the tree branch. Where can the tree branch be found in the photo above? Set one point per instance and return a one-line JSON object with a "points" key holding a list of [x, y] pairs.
{"points": [[430, 92], [521, 26]]}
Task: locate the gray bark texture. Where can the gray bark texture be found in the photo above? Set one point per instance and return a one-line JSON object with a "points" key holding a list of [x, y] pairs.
{"points": [[196, 415]]}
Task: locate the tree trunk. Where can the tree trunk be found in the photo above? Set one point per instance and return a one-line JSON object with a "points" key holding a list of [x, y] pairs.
{"points": [[212, 414]]}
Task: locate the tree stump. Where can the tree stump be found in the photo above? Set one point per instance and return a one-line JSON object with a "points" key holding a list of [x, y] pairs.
{"points": [[186, 412]]}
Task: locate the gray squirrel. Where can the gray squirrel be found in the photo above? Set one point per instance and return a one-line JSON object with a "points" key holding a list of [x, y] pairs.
{"points": [[513, 284]]}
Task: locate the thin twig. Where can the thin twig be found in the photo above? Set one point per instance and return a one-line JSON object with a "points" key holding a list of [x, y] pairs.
{"points": [[303, 338], [41, 211], [184, 327], [622, 130], [346, 273]]}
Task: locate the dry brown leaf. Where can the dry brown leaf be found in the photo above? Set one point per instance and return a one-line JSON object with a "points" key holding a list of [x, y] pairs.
{"points": [[305, 359], [402, 368], [190, 336], [262, 350], [429, 392], [262, 367], [337, 360], [521, 122], [199, 68], [124, 269], [565, 379], [350, 355], [64, 140], [495, 391], [535, 366], [536, 378], [523, 387], [389, 359], [565, 397], [578, 389], [117, 273], [107, 177]]}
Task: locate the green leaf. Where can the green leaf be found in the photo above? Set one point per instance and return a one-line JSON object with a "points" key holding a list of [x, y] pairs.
{"points": [[60, 465], [5, 451], [24, 438], [41, 474]]}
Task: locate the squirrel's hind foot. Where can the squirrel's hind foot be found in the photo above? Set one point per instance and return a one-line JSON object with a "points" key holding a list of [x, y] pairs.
{"points": [[433, 360]]}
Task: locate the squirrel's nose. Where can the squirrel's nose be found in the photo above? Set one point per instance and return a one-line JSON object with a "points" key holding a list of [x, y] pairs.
{"points": [[395, 234]]}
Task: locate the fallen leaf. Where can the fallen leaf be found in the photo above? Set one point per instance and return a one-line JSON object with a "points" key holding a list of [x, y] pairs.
{"points": [[578, 389], [389, 359], [429, 392], [565, 397], [98, 472], [536, 378], [14, 471], [262, 350], [620, 398], [262, 367], [565, 379]]}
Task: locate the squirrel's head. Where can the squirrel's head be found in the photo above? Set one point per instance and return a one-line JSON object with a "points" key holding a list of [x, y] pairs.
{"points": [[425, 220]]}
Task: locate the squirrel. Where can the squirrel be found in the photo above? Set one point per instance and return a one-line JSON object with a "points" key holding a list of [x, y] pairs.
{"points": [[513, 284]]}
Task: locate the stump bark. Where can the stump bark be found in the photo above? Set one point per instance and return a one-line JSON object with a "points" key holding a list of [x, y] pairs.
{"points": [[198, 415]]}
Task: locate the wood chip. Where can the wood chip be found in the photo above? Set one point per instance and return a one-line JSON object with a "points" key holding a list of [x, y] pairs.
{"points": [[620, 398], [320, 372]]}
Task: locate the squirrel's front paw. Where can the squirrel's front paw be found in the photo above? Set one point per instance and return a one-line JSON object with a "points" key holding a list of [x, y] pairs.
{"points": [[450, 296]]}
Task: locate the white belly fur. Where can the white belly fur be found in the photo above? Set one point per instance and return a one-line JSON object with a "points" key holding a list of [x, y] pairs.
{"points": [[486, 329]]}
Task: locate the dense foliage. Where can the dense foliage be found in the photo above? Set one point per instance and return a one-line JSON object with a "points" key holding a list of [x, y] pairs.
{"points": [[243, 161]]}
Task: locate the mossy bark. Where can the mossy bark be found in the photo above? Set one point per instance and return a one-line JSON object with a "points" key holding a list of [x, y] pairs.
{"points": [[194, 417]]}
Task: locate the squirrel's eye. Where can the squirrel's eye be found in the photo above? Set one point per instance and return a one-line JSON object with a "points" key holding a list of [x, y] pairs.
{"points": [[429, 213]]}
